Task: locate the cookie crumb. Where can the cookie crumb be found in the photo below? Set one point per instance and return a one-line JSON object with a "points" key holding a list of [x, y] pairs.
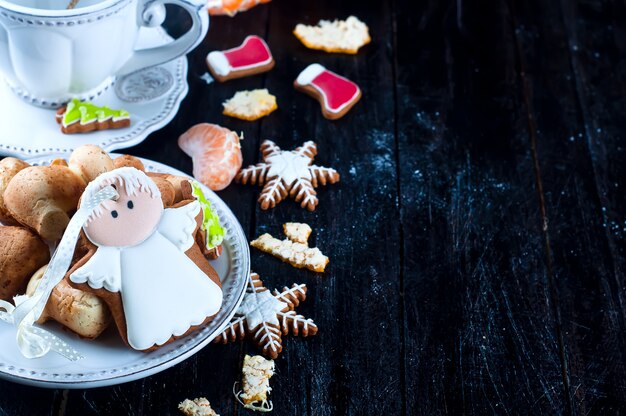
{"points": [[197, 407], [297, 232]]}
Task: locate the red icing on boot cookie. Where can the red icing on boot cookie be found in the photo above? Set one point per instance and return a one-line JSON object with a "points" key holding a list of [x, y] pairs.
{"points": [[253, 56], [336, 94]]}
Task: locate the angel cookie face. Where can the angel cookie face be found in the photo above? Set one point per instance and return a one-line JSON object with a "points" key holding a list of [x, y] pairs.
{"points": [[130, 219]]}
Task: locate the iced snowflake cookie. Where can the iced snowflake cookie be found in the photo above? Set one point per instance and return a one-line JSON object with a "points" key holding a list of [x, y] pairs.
{"points": [[152, 301], [336, 94], [250, 105], [339, 36], [290, 173], [196, 407], [256, 374], [265, 316], [252, 57], [83, 117]]}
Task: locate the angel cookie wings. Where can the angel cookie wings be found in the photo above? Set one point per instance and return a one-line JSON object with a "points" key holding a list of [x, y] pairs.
{"points": [[146, 264]]}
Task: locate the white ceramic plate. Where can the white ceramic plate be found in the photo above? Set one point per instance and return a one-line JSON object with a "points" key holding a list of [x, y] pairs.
{"points": [[107, 360], [152, 99]]}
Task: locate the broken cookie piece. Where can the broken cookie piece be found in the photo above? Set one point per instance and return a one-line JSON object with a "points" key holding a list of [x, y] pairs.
{"points": [[250, 105], [257, 372], [298, 232], [339, 36], [297, 254], [197, 407]]}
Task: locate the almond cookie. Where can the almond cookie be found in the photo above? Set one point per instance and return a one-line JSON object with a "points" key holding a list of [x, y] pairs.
{"points": [[56, 189], [21, 254], [83, 313], [252, 57], [339, 36], [290, 173], [128, 161], [145, 263], [336, 94], [9, 167], [265, 316]]}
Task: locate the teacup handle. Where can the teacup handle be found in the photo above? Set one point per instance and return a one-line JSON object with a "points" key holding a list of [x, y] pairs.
{"points": [[152, 14]]}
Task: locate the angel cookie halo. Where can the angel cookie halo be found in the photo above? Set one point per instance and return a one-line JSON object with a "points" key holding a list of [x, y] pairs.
{"points": [[144, 263]]}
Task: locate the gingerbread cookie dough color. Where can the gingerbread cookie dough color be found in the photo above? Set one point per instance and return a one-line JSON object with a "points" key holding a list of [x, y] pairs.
{"points": [[252, 57], [336, 94]]}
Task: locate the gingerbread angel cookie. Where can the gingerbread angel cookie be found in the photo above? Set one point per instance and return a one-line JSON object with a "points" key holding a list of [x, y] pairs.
{"points": [[145, 263]]}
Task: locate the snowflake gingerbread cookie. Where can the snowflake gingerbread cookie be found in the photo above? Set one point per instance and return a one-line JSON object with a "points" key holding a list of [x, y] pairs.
{"points": [[265, 316], [290, 173]]}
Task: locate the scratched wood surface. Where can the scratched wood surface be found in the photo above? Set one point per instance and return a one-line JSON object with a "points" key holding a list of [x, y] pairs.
{"points": [[477, 234]]}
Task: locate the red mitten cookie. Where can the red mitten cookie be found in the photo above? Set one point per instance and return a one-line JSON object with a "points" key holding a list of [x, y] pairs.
{"points": [[336, 94], [252, 57], [145, 263]]}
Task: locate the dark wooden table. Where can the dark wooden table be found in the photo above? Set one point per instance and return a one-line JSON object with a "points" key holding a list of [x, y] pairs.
{"points": [[476, 237]]}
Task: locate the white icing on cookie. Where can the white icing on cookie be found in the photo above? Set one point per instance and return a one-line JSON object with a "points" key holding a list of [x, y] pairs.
{"points": [[164, 293], [102, 271], [309, 74], [289, 166], [178, 225], [262, 307], [218, 61]]}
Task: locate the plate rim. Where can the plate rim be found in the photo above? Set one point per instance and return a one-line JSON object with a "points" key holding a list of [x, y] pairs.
{"points": [[112, 380]]}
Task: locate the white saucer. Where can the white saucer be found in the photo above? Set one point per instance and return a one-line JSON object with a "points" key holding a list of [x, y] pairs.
{"points": [[152, 99], [107, 360]]}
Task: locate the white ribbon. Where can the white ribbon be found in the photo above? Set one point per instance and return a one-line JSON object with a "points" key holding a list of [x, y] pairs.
{"points": [[32, 341]]}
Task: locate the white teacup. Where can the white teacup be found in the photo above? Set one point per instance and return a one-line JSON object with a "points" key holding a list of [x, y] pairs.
{"points": [[49, 54]]}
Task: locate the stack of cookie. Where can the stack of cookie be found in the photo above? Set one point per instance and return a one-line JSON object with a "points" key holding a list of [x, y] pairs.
{"points": [[162, 217]]}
